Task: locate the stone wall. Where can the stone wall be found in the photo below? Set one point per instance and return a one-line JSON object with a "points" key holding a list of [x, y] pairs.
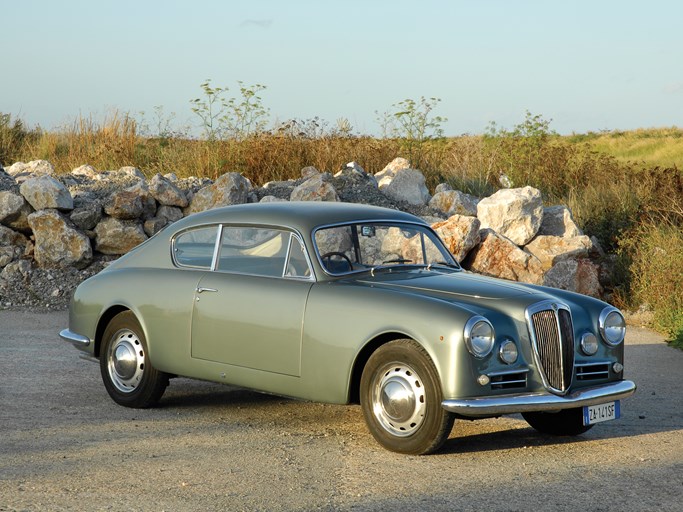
{"points": [[68, 221]]}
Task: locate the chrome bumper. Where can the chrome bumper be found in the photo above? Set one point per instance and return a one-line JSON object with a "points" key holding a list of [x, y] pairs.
{"points": [[77, 340], [528, 402]]}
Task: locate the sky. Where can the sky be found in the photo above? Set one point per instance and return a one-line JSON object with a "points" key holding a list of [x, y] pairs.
{"points": [[586, 65]]}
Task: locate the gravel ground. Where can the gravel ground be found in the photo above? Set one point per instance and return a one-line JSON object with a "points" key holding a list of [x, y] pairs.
{"points": [[64, 445]]}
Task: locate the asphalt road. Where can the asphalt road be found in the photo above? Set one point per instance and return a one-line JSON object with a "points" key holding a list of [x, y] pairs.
{"points": [[64, 445]]}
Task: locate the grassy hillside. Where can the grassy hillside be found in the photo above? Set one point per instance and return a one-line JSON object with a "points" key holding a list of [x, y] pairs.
{"points": [[661, 147]]}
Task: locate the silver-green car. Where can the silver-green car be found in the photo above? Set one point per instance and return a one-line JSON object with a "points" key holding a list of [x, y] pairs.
{"points": [[345, 303]]}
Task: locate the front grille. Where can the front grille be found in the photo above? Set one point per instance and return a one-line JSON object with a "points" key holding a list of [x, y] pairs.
{"points": [[592, 371], [553, 337]]}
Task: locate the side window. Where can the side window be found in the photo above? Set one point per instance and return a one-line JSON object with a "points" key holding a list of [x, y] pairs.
{"points": [[297, 264], [255, 251], [195, 248]]}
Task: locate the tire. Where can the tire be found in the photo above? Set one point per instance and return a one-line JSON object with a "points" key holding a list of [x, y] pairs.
{"points": [[128, 376], [567, 422], [401, 397]]}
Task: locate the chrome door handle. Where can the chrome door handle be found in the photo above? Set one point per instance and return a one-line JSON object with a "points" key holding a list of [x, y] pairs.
{"points": [[201, 290]]}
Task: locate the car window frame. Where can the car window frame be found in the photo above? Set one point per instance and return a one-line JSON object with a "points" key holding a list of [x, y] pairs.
{"points": [[293, 234], [371, 221]]}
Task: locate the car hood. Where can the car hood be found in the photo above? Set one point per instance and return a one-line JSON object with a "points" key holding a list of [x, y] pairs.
{"points": [[462, 285]]}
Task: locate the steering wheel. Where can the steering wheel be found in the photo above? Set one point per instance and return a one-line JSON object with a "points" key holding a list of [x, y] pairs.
{"points": [[328, 256]]}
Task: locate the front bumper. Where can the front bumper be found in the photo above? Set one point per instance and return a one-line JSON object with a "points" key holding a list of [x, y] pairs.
{"points": [[531, 402]]}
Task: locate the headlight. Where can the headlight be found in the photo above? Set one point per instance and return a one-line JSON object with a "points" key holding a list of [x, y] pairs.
{"points": [[589, 344], [612, 326], [479, 336], [508, 352]]}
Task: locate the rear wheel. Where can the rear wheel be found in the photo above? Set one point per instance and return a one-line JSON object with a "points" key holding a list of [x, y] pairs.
{"points": [[401, 399], [567, 422], [128, 376]]}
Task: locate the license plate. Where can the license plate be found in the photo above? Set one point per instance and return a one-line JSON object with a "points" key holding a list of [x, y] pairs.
{"points": [[593, 414]]}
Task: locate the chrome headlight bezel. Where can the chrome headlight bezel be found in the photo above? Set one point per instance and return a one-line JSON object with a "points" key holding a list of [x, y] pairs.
{"points": [[480, 336], [589, 344], [612, 326], [506, 352]]}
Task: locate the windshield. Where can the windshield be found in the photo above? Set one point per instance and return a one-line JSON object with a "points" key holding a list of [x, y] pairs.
{"points": [[357, 247]]}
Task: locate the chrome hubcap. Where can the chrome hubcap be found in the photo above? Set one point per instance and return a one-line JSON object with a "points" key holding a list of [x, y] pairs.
{"points": [[126, 361], [398, 400]]}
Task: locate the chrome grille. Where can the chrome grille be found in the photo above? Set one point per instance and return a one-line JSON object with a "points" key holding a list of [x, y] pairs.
{"points": [[553, 337], [592, 371]]}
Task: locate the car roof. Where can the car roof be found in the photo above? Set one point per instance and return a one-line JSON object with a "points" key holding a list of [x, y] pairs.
{"points": [[303, 216]]}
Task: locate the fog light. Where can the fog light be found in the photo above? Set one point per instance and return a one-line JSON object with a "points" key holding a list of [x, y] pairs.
{"points": [[508, 352], [618, 367], [589, 344], [483, 380]]}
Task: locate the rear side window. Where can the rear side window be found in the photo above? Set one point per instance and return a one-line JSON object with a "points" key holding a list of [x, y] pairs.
{"points": [[195, 248]]}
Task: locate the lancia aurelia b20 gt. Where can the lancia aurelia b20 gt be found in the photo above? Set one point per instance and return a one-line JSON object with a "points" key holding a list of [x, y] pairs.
{"points": [[344, 303]]}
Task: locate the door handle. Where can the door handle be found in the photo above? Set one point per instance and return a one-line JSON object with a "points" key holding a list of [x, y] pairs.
{"points": [[201, 290]]}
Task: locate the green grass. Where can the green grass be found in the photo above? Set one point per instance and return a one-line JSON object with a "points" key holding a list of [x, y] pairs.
{"points": [[662, 147]]}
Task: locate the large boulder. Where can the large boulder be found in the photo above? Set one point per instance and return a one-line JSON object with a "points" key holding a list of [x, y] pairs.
{"points": [[57, 243], [124, 204], [14, 210], [12, 245], [498, 256], [21, 171], [43, 192], [230, 188], [460, 234], [558, 221], [318, 187], [116, 236], [454, 202], [397, 164], [576, 275], [515, 213], [166, 193], [404, 186], [7, 182], [550, 250]]}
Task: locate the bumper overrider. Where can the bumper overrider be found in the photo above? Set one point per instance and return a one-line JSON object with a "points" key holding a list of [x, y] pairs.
{"points": [[532, 402], [77, 340]]}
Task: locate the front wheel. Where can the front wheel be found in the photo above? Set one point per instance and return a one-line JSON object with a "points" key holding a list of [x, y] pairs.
{"points": [[128, 376], [567, 422], [400, 395]]}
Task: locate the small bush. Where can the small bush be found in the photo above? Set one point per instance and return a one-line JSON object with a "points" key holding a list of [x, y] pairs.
{"points": [[655, 250]]}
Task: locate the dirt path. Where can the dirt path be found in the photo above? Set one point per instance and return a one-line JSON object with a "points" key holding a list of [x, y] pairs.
{"points": [[64, 445]]}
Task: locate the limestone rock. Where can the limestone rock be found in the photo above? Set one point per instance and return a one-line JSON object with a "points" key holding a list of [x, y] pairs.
{"points": [[115, 236], [309, 171], [87, 217], [85, 171], [406, 185], [166, 193], [154, 225], [315, 188], [272, 199], [14, 210], [170, 213], [454, 202], [558, 221], [7, 182], [21, 171], [442, 187], [576, 275], [460, 234], [498, 256], [230, 188], [149, 204], [124, 204], [44, 192], [397, 164], [131, 172], [552, 249], [57, 243], [515, 213]]}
